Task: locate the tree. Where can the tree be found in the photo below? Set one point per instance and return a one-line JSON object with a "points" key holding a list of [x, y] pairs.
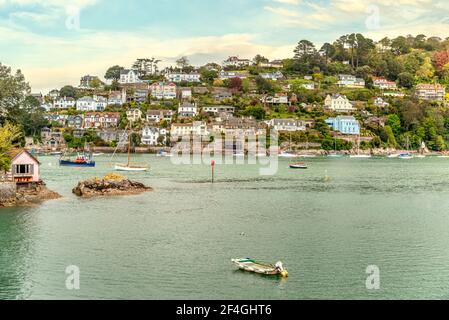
{"points": [[264, 86], [113, 73], [13, 91], [394, 122], [258, 59], [9, 134], [303, 49], [406, 80], [236, 84], [183, 63], [68, 91], [328, 50], [257, 112], [208, 75]]}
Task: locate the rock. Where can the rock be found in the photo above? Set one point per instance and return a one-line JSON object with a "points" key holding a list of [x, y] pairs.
{"points": [[33, 194], [110, 185]]}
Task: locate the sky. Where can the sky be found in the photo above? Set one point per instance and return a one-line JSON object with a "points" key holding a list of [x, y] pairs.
{"points": [[55, 42]]}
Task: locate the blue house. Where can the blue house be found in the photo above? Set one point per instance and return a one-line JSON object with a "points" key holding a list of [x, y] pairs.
{"points": [[344, 124]]}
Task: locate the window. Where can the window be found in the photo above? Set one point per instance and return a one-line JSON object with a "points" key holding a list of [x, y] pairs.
{"points": [[22, 169]]}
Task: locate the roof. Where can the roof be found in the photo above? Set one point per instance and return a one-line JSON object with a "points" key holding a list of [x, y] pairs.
{"points": [[14, 153]]}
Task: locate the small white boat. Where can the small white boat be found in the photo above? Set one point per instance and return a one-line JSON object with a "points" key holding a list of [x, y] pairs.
{"points": [[420, 156], [287, 155], [393, 156], [335, 155], [298, 165], [443, 157], [164, 154], [130, 168], [98, 154], [360, 156], [239, 155], [307, 156]]}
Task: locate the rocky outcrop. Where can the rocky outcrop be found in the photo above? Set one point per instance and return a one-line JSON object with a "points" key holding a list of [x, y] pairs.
{"points": [[28, 195], [110, 185]]}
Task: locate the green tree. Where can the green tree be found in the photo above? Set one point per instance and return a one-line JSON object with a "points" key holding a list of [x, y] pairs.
{"points": [[68, 91], [13, 91], [113, 73], [9, 135], [406, 80]]}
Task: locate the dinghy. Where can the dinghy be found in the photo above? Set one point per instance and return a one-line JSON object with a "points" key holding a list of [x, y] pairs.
{"points": [[251, 265], [298, 165]]}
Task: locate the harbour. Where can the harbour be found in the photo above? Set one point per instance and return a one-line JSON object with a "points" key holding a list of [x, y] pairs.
{"points": [[177, 242]]}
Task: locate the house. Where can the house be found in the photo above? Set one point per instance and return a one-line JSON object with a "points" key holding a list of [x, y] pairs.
{"points": [[308, 85], [227, 75], [64, 103], [24, 167], [60, 119], [221, 94], [338, 103], [47, 106], [350, 81], [101, 120], [111, 135], [290, 125], [52, 140], [275, 76], [384, 84], [139, 96], [75, 121], [94, 103], [185, 93], [86, 81], [152, 136], [277, 64], [197, 128], [133, 115], [129, 76], [117, 98], [163, 90], [276, 99], [344, 124], [217, 110], [430, 92], [157, 116], [238, 127], [236, 62], [180, 77], [187, 110], [381, 103]]}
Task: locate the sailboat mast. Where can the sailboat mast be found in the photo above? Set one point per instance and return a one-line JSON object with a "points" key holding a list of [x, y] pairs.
{"points": [[129, 149]]}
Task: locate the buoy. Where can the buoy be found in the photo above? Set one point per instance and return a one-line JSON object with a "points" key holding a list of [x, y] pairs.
{"points": [[284, 274]]}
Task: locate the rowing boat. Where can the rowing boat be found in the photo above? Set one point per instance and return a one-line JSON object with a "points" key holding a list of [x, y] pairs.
{"points": [[251, 265], [299, 165]]}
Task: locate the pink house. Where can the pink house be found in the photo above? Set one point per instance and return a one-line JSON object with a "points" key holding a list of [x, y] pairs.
{"points": [[24, 167]]}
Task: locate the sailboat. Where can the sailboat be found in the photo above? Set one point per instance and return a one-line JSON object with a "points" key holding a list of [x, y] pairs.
{"points": [[131, 166], [358, 155], [288, 154]]}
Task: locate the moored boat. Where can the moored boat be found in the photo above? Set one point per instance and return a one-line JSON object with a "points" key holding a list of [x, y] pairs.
{"points": [[405, 156], [298, 165], [287, 155], [130, 167], [251, 265], [81, 160], [360, 156]]}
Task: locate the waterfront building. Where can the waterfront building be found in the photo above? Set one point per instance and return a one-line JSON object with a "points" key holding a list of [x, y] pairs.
{"points": [[430, 92], [338, 103], [345, 124], [95, 103], [163, 90], [24, 167]]}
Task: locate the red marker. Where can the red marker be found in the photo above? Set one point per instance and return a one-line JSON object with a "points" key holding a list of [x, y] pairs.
{"points": [[213, 171]]}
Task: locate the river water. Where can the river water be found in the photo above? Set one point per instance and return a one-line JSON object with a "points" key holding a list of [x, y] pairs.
{"points": [[177, 242]]}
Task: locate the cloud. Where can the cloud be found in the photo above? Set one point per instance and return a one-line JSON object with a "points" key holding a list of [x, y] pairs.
{"points": [[293, 2], [282, 11]]}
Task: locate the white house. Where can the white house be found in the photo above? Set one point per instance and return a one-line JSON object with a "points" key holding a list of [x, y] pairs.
{"points": [[308, 85], [350, 81], [216, 110], [129, 76], [197, 128], [162, 90], [224, 75], [94, 103], [157, 116], [379, 102], [236, 62], [277, 99], [64, 103], [290, 125], [187, 110], [338, 103], [152, 136], [426, 91], [275, 76], [117, 98], [185, 93], [180, 76]]}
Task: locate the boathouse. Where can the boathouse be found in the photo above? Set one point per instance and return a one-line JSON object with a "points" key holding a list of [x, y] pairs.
{"points": [[24, 168]]}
